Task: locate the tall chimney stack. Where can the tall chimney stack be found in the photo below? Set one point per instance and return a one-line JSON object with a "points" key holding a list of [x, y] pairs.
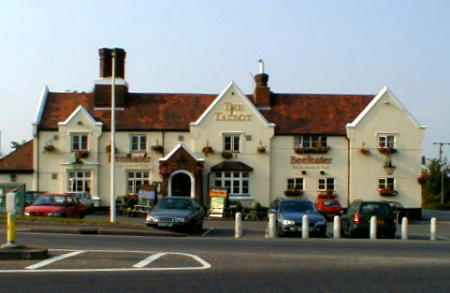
{"points": [[106, 62], [262, 94]]}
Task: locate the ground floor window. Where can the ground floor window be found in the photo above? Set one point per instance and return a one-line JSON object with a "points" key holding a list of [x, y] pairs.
{"points": [[236, 182], [136, 180], [79, 181], [295, 184], [326, 184], [386, 183]]}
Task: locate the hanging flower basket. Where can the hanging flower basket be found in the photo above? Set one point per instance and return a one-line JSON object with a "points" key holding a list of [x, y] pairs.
{"points": [[227, 155], [423, 178], [365, 151], [82, 154], [50, 148], [293, 192], [158, 148], [261, 149], [207, 150], [387, 150], [387, 192]]}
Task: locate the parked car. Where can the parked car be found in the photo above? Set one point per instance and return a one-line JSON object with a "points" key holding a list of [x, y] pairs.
{"points": [[356, 221], [328, 206], [289, 215], [56, 205], [85, 198], [176, 213], [399, 210]]}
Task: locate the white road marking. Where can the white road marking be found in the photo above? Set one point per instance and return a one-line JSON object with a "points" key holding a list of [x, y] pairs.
{"points": [[53, 260], [148, 260]]}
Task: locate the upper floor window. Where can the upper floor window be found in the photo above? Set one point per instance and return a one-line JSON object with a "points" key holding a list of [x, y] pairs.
{"points": [[231, 143], [138, 143], [79, 142], [295, 184], [326, 184], [386, 141], [386, 183], [311, 141]]}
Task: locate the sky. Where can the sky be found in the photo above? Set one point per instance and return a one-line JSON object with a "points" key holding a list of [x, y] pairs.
{"points": [[199, 46]]}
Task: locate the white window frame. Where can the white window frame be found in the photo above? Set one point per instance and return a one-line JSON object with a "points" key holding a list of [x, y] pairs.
{"points": [[135, 179], [297, 181], [233, 137], [219, 177], [386, 137], [86, 181], [326, 184], [140, 148], [79, 138], [385, 184], [306, 141]]}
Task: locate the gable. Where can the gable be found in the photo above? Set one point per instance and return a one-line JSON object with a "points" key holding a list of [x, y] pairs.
{"points": [[80, 117]]}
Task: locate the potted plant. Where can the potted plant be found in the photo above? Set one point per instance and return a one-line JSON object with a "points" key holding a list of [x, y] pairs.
{"points": [[158, 148], [387, 192], [293, 192], [49, 148], [261, 149], [423, 178], [207, 150], [227, 155], [386, 150]]}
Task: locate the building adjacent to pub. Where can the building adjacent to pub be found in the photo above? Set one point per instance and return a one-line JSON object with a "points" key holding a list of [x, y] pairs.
{"points": [[260, 147]]}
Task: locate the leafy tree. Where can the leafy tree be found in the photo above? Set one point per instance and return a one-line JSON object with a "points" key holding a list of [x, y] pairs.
{"points": [[433, 186]]}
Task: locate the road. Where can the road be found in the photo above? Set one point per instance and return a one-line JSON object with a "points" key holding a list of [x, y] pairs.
{"points": [[246, 265]]}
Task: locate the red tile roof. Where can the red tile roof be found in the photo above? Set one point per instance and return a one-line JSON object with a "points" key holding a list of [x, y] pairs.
{"points": [[19, 160], [292, 113]]}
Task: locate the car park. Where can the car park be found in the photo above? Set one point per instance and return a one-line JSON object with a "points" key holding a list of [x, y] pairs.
{"points": [[176, 213], [289, 218], [356, 221], [56, 205], [328, 206]]}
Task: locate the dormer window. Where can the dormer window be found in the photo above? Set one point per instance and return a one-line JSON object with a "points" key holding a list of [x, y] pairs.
{"points": [[138, 143], [79, 142]]}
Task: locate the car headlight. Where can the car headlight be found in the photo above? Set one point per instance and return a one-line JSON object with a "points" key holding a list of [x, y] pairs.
{"points": [[288, 222], [180, 220], [151, 219], [26, 213]]}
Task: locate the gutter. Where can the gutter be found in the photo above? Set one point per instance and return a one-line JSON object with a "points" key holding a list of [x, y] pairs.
{"points": [[348, 171]]}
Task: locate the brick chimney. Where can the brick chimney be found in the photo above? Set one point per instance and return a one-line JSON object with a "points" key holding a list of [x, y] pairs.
{"points": [[262, 94], [102, 89]]}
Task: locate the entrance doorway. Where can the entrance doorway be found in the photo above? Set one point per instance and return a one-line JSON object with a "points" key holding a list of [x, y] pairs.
{"points": [[180, 185]]}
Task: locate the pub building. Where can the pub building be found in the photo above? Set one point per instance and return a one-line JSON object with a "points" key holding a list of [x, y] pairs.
{"points": [[260, 146]]}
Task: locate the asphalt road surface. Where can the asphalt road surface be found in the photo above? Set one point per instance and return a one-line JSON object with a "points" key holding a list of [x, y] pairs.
{"points": [[152, 264]]}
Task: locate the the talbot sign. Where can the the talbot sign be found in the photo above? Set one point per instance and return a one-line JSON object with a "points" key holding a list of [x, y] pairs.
{"points": [[233, 112], [310, 160]]}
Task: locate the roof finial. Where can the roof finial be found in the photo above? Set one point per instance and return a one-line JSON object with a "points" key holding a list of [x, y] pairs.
{"points": [[261, 66]]}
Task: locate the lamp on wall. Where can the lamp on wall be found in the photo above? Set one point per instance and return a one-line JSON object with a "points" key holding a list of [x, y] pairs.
{"points": [[322, 172]]}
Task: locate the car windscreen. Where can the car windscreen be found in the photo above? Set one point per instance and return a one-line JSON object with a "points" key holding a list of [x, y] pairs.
{"points": [[375, 209], [49, 201], [174, 204], [331, 203], [296, 206]]}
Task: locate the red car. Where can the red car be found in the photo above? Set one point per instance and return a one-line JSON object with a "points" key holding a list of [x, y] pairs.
{"points": [[56, 205], [329, 206]]}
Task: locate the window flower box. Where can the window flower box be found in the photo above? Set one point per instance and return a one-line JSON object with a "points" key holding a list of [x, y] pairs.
{"points": [[158, 148], [261, 149], [387, 192], [423, 178], [387, 150], [227, 155], [311, 150], [82, 154], [207, 150], [293, 192], [50, 148]]}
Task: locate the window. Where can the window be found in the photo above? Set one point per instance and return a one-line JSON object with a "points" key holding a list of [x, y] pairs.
{"points": [[386, 183], [79, 181], [136, 180], [231, 143], [386, 141], [295, 184], [311, 141], [236, 182], [138, 143], [326, 184], [79, 142]]}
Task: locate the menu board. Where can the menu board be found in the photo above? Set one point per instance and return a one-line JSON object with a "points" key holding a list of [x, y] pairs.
{"points": [[218, 201]]}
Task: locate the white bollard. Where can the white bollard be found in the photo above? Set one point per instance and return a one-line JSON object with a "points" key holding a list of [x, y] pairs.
{"points": [[433, 229], [373, 227], [238, 226], [336, 227], [272, 233], [305, 227], [404, 228]]}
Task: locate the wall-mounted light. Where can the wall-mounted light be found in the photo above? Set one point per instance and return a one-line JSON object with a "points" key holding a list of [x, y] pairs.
{"points": [[322, 172], [304, 172]]}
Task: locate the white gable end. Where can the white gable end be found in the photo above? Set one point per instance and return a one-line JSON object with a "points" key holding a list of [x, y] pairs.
{"points": [[77, 115]]}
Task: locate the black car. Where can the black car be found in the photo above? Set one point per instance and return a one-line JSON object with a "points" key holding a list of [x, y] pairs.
{"points": [[290, 217], [176, 213], [356, 221]]}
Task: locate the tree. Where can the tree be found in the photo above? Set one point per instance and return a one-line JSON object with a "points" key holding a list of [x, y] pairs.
{"points": [[434, 183]]}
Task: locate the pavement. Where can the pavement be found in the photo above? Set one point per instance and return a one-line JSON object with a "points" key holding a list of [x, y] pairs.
{"points": [[106, 263]]}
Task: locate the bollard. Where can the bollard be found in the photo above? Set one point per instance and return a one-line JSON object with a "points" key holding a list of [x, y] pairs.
{"points": [[305, 227], [373, 227], [272, 226], [10, 220], [404, 228], [238, 226], [336, 227], [433, 229]]}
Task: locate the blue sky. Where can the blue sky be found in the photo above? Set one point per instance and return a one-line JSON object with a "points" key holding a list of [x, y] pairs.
{"points": [[199, 46]]}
